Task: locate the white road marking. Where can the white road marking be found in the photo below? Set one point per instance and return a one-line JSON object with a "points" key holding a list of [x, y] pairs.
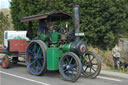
{"points": [[24, 78], [107, 78]]}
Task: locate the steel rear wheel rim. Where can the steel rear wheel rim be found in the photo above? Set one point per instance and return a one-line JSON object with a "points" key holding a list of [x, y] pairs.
{"points": [[34, 58]]}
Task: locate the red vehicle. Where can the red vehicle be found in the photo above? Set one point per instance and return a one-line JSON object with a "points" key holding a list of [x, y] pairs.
{"points": [[15, 45]]}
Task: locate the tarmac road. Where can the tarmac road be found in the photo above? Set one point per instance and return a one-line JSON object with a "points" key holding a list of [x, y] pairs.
{"points": [[18, 75]]}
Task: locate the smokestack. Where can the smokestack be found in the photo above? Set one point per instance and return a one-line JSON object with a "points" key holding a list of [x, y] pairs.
{"points": [[76, 20]]}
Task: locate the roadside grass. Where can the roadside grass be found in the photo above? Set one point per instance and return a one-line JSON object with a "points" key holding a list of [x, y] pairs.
{"points": [[107, 59], [113, 70]]}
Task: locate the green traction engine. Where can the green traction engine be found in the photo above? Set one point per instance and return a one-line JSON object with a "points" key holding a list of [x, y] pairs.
{"points": [[60, 49]]}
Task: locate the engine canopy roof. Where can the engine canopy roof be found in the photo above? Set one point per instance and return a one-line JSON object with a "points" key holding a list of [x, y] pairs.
{"points": [[50, 16]]}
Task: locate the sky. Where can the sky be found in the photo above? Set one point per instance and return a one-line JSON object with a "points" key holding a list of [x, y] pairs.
{"points": [[4, 4]]}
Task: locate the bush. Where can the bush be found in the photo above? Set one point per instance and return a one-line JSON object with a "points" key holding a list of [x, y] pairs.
{"points": [[105, 55], [102, 21]]}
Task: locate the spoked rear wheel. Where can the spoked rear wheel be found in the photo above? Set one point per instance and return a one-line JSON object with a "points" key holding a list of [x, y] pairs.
{"points": [[70, 66], [36, 57], [91, 65]]}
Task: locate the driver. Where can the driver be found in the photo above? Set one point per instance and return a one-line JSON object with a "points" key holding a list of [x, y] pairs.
{"points": [[50, 27]]}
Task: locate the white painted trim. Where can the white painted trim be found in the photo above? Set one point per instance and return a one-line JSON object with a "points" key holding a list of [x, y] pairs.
{"points": [[107, 78], [24, 78]]}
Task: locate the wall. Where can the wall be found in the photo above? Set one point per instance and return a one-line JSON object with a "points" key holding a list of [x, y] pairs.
{"points": [[123, 44]]}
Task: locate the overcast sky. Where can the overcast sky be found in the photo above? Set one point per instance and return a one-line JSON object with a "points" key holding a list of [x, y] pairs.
{"points": [[4, 4]]}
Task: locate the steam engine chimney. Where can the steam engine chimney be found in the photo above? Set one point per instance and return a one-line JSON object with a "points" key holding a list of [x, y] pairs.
{"points": [[76, 21]]}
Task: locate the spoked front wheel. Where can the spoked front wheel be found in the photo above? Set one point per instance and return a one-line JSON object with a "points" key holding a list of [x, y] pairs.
{"points": [[91, 65], [36, 57], [70, 66]]}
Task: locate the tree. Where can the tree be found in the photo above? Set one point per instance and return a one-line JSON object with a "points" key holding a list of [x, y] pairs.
{"points": [[4, 25], [102, 20]]}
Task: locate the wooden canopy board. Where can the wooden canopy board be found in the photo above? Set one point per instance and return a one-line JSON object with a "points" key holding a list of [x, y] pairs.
{"points": [[51, 16]]}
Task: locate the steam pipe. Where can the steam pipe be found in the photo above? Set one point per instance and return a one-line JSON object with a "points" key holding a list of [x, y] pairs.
{"points": [[76, 21]]}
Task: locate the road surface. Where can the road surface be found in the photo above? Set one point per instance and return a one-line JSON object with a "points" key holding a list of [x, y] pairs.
{"points": [[18, 75]]}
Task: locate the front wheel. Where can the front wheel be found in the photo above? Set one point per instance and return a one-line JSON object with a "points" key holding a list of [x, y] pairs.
{"points": [[70, 66], [91, 65]]}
